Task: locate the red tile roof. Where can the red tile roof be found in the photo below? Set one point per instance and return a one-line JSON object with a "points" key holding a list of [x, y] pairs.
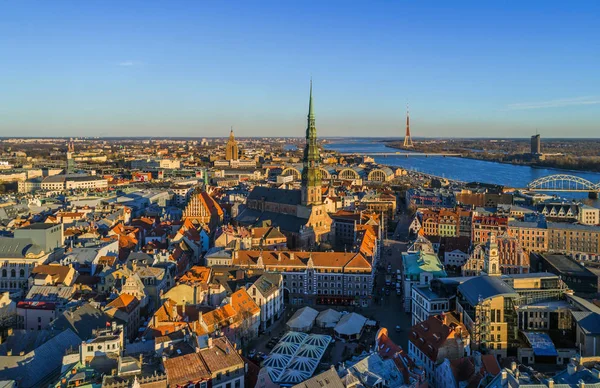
{"points": [[185, 370]]}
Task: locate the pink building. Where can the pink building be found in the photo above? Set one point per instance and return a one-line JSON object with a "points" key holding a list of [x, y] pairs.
{"points": [[36, 315]]}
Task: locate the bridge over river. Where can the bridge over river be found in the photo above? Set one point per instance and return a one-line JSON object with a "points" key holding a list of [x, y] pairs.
{"points": [[565, 183]]}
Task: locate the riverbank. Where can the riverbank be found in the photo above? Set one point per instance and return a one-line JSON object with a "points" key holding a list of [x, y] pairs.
{"points": [[462, 169], [565, 163]]}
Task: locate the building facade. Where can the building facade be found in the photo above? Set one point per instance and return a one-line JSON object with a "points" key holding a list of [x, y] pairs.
{"points": [[512, 258], [203, 209], [267, 293], [309, 278]]}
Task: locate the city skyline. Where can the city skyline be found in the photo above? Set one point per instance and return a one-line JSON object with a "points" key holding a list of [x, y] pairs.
{"points": [[135, 71]]}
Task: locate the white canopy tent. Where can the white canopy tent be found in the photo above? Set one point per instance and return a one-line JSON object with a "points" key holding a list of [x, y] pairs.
{"points": [[303, 320], [328, 318], [350, 327]]}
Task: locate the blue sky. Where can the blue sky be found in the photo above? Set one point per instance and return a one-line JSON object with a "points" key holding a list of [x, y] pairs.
{"points": [[157, 68]]}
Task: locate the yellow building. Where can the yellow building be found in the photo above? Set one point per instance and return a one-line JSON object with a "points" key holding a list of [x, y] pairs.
{"points": [[231, 149], [488, 307], [533, 236]]}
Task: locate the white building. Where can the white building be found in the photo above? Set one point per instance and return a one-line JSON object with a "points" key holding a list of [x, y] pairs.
{"points": [[456, 257], [153, 164], [67, 182], [426, 303], [181, 194], [107, 341], [267, 292]]}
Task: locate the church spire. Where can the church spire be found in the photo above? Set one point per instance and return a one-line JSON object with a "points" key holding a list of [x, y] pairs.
{"points": [[311, 173], [311, 113]]}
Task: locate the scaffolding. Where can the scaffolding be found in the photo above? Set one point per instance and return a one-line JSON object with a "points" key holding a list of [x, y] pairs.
{"points": [[481, 326]]}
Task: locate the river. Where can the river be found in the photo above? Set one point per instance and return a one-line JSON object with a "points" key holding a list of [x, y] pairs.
{"points": [[463, 169]]}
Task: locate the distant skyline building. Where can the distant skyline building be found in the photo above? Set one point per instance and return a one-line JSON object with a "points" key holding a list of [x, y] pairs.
{"points": [[70, 161], [407, 139], [536, 144], [231, 149]]}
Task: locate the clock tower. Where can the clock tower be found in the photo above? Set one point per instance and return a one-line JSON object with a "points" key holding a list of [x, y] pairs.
{"points": [[491, 261]]}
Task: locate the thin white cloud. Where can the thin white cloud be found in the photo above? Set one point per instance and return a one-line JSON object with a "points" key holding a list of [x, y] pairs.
{"points": [[129, 63], [589, 100]]}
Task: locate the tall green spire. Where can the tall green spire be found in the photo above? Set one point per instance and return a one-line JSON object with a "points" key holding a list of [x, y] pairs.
{"points": [[311, 173], [311, 113]]}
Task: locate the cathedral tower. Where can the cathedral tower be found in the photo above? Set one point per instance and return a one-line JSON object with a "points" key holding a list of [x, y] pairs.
{"points": [[311, 173]]}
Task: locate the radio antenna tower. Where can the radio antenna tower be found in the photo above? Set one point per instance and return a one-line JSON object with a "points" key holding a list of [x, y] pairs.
{"points": [[407, 139]]}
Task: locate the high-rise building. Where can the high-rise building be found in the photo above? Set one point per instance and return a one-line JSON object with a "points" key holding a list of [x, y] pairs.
{"points": [[231, 149], [311, 173], [536, 145]]}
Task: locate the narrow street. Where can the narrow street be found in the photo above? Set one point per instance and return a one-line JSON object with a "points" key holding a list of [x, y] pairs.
{"points": [[388, 309]]}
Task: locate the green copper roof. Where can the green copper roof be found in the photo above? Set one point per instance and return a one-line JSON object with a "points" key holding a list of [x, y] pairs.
{"points": [[418, 262]]}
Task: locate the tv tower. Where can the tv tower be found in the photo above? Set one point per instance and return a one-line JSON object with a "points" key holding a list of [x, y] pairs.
{"points": [[407, 139]]}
